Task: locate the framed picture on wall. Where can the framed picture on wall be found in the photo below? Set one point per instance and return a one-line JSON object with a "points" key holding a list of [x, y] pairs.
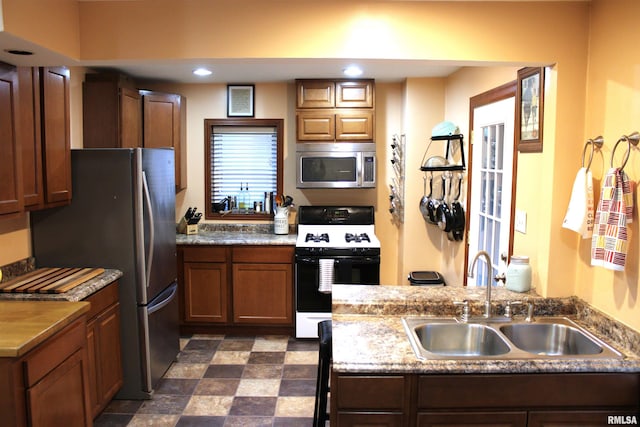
{"points": [[240, 100], [530, 109]]}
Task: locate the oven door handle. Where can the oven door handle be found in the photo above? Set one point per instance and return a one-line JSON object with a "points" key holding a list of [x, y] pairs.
{"points": [[359, 260], [338, 260]]}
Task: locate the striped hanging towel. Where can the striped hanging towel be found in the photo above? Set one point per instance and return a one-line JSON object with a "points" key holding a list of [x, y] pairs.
{"points": [[615, 209]]}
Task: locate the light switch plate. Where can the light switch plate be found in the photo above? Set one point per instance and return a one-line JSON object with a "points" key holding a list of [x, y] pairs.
{"points": [[521, 221]]}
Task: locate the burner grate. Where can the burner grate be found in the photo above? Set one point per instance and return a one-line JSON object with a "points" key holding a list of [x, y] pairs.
{"points": [[316, 238], [357, 238]]}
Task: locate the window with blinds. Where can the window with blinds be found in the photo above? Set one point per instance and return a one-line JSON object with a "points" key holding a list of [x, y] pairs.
{"points": [[244, 160]]}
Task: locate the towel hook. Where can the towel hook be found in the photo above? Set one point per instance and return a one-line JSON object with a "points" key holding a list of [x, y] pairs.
{"points": [[596, 143], [633, 138]]}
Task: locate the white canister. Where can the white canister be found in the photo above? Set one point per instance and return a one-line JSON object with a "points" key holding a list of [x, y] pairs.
{"points": [[281, 220], [519, 274]]}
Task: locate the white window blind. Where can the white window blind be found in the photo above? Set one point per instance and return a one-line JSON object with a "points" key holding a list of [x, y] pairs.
{"points": [[243, 155]]}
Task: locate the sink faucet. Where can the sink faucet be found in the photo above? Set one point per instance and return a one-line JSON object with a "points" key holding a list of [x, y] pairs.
{"points": [[487, 258]]}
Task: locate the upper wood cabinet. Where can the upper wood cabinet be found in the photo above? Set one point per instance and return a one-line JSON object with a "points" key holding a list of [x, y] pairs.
{"points": [[315, 94], [11, 200], [56, 135], [354, 94], [165, 126], [29, 137], [112, 112], [335, 110], [44, 136], [118, 115]]}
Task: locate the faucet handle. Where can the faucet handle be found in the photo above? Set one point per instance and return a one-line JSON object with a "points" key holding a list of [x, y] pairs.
{"points": [[465, 309], [529, 317], [509, 306]]}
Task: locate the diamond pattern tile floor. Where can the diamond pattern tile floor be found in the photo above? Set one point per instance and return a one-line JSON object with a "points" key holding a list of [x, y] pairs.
{"points": [[229, 381]]}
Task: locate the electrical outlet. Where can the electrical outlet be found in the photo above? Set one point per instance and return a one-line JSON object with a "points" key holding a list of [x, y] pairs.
{"points": [[521, 221]]}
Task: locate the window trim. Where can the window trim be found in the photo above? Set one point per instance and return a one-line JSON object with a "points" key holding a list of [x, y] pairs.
{"points": [[209, 124]]}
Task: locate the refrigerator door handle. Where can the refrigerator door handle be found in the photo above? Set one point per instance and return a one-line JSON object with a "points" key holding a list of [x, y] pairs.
{"points": [[161, 304], [152, 226]]}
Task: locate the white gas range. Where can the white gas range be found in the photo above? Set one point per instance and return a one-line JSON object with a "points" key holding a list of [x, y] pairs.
{"points": [[335, 245]]}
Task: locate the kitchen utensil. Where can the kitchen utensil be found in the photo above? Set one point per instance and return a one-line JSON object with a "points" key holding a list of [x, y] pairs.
{"points": [[424, 201], [458, 214], [444, 217], [434, 203]]}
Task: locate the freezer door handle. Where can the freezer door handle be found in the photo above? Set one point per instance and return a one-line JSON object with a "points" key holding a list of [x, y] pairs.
{"points": [[171, 291], [152, 226]]}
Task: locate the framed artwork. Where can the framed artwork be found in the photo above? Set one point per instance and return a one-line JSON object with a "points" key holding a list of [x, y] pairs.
{"points": [[240, 100], [530, 109]]}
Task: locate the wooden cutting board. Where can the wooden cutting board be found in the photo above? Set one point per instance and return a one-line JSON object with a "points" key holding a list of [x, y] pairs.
{"points": [[50, 280]]}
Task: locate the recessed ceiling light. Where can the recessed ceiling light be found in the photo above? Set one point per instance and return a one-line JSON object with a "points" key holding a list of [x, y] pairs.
{"points": [[18, 52], [202, 72], [352, 71]]}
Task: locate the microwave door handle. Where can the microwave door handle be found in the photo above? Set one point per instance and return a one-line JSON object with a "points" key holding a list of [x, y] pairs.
{"points": [[359, 169]]}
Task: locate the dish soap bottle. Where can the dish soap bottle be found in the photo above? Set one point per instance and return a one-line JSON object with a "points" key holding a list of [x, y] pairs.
{"points": [[519, 274]]}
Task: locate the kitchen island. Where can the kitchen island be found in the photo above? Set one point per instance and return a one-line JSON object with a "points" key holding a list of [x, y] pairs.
{"points": [[377, 377]]}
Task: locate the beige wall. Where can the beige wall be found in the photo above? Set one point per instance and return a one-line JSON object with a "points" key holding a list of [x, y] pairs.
{"points": [[477, 33], [612, 109]]}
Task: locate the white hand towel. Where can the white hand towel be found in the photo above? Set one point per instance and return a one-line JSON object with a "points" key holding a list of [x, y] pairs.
{"points": [[579, 216], [326, 278]]}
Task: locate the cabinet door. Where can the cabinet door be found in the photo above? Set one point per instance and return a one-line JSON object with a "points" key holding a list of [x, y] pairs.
{"points": [[93, 362], [580, 418], [163, 114], [354, 94], [369, 419], [315, 94], [11, 200], [316, 125], [485, 419], [130, 118], [263, 293], [205, 292], [109, 369], [60, 398], [354, 125], [29, 136], [56, 135]]}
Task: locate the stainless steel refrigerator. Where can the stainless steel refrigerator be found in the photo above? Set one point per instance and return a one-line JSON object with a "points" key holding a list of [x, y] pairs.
{"points": [[122, 216]]}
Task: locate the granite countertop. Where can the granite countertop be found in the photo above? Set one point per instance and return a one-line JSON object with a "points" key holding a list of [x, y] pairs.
{"points": [[234, 234], [368, 335], [78, 293], [25, 324]]}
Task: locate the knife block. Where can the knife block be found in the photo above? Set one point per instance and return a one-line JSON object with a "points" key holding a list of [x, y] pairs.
{"points": [[184, 228]]}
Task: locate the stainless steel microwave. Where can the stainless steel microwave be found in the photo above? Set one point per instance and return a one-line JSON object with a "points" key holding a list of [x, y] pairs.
{"points": [[336, 165]]}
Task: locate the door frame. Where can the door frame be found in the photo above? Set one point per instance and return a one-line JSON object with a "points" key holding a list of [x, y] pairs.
{"points": [[491, 96]]}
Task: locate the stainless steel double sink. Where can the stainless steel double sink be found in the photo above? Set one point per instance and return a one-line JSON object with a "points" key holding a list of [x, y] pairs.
{"points": [[499, 338]]}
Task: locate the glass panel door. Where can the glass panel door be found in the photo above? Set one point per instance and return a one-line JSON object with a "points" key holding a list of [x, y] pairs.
{"points": [[490, 216]]}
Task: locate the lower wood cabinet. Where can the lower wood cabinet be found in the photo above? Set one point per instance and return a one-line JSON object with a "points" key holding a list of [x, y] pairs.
{"points": [[479, 419], [103, 345], [48, 386], [505, 400], [236, 286], [581, 418]]}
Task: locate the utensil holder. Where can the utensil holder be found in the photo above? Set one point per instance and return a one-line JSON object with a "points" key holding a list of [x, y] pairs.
{"points": [[281, 220]]}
